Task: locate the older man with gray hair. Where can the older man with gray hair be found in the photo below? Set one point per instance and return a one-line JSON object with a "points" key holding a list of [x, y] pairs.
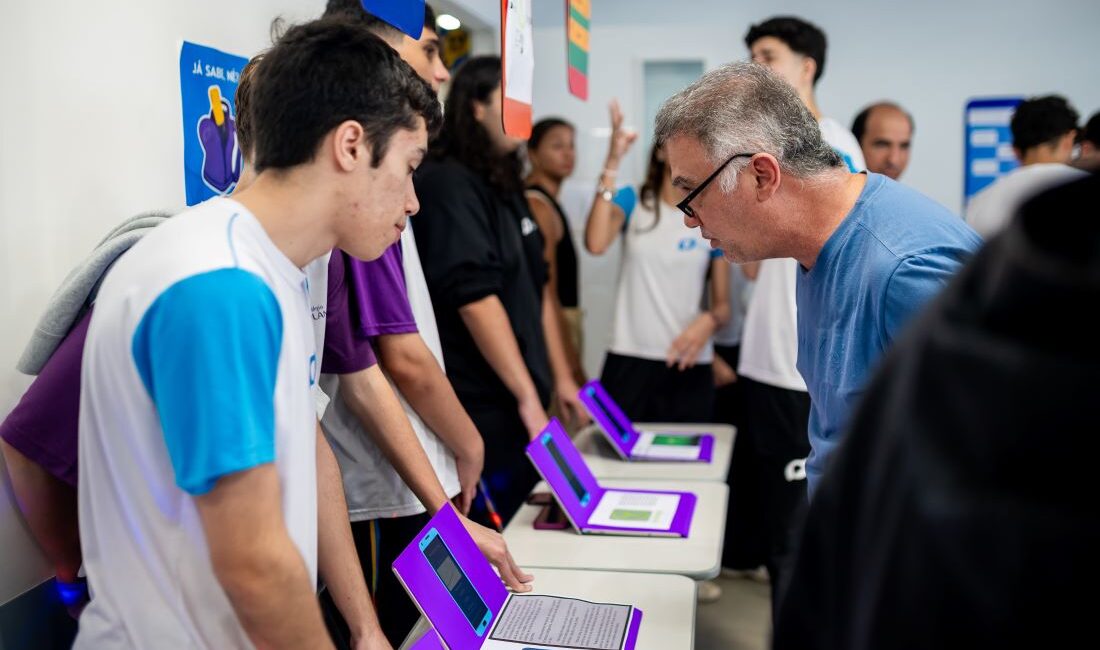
{"points": [[871, 252]]}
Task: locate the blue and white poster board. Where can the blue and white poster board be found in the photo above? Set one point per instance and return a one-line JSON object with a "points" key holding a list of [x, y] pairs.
{"points": [[208, 86], [989, 153]]}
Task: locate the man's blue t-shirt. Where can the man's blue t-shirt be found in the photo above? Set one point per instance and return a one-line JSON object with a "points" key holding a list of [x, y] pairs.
{"points": [[894, 251]]}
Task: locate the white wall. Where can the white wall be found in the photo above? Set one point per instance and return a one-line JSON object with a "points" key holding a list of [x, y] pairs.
{"points": [[930, 56], [90, 133]]}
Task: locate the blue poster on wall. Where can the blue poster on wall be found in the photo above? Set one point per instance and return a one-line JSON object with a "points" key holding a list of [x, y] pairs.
{"points": [[208, 85], [989, 153]]}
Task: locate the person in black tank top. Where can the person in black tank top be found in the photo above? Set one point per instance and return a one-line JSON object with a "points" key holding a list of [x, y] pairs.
{"points": [[550, 152]]}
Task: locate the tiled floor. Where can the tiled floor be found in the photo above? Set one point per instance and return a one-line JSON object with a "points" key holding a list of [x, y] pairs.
{"points": [[740, 620]]}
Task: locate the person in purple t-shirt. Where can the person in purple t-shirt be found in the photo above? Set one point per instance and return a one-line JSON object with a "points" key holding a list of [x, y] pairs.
{"points": [[38, 439], [392, 488]]}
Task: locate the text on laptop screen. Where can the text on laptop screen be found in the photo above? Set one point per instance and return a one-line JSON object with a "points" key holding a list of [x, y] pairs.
{"points": [[456, 582], [623, 434], [574, 482]]}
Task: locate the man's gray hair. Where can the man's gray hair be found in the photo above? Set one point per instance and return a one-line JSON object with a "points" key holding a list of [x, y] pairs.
{"points": [[745, 108]]}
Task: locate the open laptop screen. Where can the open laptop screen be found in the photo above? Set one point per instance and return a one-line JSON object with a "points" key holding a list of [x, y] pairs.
{"points": [[566, 470], [456, 582], [609, 417]]}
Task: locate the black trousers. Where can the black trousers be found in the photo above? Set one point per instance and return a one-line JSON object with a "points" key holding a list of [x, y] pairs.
{"points": [[649, 391], [745, 545], [378, 542], [775, 420], [508, 473]]}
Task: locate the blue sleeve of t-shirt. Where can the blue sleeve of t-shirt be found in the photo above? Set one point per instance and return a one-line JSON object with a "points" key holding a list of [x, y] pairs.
{"points": [[626, 198], [207, 351], [915, 281]]}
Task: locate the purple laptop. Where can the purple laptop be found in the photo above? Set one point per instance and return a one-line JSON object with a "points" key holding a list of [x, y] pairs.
{"points": [[595, 509], [632, 444], [456, 589]]}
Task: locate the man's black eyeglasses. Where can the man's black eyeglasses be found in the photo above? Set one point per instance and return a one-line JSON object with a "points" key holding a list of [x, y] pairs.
{"points": [[683, 205]]}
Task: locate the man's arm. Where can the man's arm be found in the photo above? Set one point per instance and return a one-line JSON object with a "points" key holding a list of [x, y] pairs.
{"points": [[414, 369], [337, 561], [257, 563], [371, 399], [492, 332]]}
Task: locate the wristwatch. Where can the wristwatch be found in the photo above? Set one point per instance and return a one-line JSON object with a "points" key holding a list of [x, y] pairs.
{"points": [[606, 193]]}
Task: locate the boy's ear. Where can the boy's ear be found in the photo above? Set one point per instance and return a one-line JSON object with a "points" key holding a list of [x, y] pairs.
{"points": [[350, 147]]}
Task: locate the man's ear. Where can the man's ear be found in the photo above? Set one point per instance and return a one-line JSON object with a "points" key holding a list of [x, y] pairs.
{"points": [[809, 70], [766, 175], [349, 146], [1069, 140]]}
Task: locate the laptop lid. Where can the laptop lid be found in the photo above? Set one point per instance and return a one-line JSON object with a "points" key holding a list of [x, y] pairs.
{"points": [[616, 426], [451, 582], [561, 465]]}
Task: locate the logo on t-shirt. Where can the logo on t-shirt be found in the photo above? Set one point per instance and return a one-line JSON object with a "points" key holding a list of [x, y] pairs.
{"points": [[688, 244], [527, 226], [312, 370]]}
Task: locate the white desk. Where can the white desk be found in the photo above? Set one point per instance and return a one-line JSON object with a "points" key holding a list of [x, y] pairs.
{"points": [[605, 463], [698, 556], [667, 602]]}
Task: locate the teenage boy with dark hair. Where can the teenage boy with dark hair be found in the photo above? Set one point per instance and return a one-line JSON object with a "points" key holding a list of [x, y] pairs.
{"points": [[198, 485], [1043, 133], [795, 50], [39, 437], [393, 487]]}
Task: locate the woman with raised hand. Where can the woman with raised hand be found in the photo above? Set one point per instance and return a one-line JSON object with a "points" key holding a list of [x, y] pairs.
{"points": [[658, 367]]}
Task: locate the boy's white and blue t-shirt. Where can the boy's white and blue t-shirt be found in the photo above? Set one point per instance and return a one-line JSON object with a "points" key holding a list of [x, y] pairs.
{"points": [[199, 362], [662, 280]]}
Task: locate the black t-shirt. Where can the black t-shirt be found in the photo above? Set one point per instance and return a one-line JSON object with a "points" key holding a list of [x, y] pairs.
{"points": [[565, 255], [475, 242]]}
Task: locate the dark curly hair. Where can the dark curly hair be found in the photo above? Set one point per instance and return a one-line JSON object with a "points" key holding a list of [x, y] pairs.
{"points": [[1042, 120], [325, 72], [803, 37], [464, 138]]}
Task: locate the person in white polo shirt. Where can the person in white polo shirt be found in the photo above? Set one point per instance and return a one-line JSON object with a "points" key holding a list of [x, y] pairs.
{"points": [[198, 492], [1043, 134], [659, 365]]}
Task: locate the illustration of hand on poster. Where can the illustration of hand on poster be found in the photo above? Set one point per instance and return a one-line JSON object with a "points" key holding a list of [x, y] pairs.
{"points": [[221, 161], [211, 155]]}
